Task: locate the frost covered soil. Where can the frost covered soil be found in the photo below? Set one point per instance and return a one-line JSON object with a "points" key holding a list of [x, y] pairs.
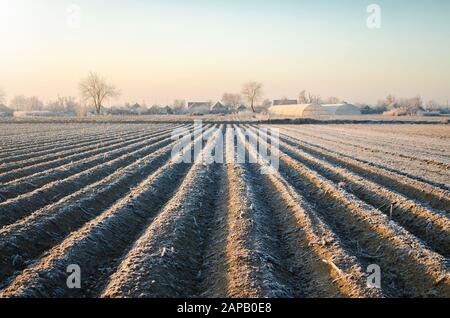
{"points": [[108, 198]]}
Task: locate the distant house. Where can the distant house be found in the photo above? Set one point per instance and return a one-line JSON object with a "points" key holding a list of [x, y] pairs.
{"points": [[342, 109], [242, 109], [120, 111], [278, 102], [153, 110], [199, 108], [219, 108], [158, 110], [5, 111], [167, 110], [177, 110], [136, 109]]}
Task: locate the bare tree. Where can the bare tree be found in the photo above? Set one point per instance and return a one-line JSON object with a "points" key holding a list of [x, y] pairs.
{"points": [[94, 89], [18, 102], [302, 98], [63, 104], [266, 104], [410, 106], [2, 97], [81, 110], [252, 92], [308, 98], [332, 100], [432, 105], [179, 106], [23, 103], [315, 98], [415, 104], [179, 103], [391, 99], [233, 101], [390, 102]]}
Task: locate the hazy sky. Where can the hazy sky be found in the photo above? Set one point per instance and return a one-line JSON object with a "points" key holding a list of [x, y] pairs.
{"points": [[197, 49]]}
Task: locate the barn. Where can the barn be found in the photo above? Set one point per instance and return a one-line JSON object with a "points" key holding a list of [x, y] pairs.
{"points": [[342, 109], [299, 110]]}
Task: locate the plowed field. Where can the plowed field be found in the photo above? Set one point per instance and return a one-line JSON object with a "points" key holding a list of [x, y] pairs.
{"points": [[111, 199]]}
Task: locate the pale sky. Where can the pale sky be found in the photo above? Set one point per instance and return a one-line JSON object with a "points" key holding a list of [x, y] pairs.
{"points": [[161, 50]]}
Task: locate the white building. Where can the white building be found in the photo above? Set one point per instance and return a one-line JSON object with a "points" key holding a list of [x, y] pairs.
{"points": [[342, 109], [312, 110]]}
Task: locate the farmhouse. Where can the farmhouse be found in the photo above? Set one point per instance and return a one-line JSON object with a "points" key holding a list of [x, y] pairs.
{"points": [[242, 109], [157, 110], [136, 109], [167, 110], [299, 110], [279, 102], [342, 109], [199, 108], [219, 108]]}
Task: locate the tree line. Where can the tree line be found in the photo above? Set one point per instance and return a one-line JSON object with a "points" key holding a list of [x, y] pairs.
{"points": [[95, 89]]}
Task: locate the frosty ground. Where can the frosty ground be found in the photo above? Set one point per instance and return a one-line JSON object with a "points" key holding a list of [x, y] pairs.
{"points": [[108, 197]]}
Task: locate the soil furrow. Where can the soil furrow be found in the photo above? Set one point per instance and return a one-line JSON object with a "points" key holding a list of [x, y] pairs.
{"points": [[430, 226], [420, 273], [168, 256], [318, 263], [26, 239], [30, 156], [251, 262], [10, 145], [33, 182], [429, 194], [100, 242], [409, 268], [370, 145], [21, 145], [57, 192], [23, 169], [435, 176], [105, 132], [141, 220], [394, 141]]}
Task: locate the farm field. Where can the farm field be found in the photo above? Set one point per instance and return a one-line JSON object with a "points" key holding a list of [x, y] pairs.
{"points": [[214, 118], [110, 199]]}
